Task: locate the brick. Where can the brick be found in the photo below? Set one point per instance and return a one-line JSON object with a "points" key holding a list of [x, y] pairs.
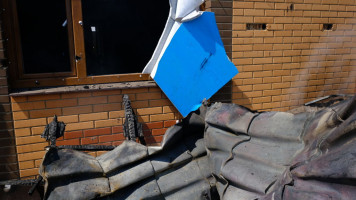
{"points": [[79, 126], [75, 95], [283, 20], [134, 91], [271, 105], [142, 119], [117, 114], [77, 110], [253, 12], [31, 147], [155, 139], [73, 134], [37, 130], [107, 107], [108, 123], [159, 131], [274, 13], [148, 96], [280, 85], [45, 113], [140, 104], [29, 172], [267, 20], [153, 125], [19, 99], [118, 129], [28, 106], [261, 99], [320, 7], [91, 140], [238, 4], [264, 5], [262, 87], [118, 98], [253, 94], [271, 92], [66, 119], [169, 109], [149, 111], [110, 138], [22, 132], [161, 102], [93, 116], [20, 115], [117, 143], [69, 142], [162, 117], [29, 140], [106, 92], [61, 103], [95, 132], [238, 12], [26, 164], [242, 19], [93, 100], [43, 97], [30, 123], [271, 79], [170, 123], [31, 156]]}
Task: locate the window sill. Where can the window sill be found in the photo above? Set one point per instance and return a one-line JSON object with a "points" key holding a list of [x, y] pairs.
{"points": [[82, 88]]}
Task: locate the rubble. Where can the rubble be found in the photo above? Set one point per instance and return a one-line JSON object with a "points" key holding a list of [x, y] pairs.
{"points": [[224, 151]]}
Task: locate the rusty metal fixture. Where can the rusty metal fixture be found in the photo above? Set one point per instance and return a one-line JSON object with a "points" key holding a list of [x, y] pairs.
{"points": [[88, 147], [132, 128], [53, 130]]}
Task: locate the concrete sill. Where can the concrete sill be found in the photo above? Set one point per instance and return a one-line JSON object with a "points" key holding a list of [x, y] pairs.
{"points": [[82, 88]]}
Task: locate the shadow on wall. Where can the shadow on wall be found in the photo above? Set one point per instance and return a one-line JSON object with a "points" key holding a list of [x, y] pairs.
{"points": [[240, 97]]}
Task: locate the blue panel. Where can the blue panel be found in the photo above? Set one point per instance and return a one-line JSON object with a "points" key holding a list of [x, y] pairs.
{"points": [[195, 65]]}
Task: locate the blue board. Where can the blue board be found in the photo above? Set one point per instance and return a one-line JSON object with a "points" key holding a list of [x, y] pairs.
{"points": [[195, 65]]}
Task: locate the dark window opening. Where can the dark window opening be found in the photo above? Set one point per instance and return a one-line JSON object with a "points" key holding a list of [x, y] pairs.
{"points": [[121, 36], [256, 26], [43, 36], [328, 27]]}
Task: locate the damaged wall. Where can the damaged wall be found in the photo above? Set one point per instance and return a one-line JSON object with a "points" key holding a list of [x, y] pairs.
{"points": [[291, 62], [293, 59], [92, 118]]}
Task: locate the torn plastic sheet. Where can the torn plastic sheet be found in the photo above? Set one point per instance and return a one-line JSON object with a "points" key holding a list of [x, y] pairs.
{"points": [[186, 7], [200, 68], [190, 63]]}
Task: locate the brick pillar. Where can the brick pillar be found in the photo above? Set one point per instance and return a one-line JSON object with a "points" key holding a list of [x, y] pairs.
{"points": [[223, 15], [8, 157]]}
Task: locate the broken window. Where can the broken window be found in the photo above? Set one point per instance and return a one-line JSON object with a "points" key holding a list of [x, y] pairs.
{"points": [[71, 42]]}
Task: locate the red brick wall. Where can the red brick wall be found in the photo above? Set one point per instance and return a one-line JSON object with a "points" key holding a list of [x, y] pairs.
{"points": [[91, 117]]}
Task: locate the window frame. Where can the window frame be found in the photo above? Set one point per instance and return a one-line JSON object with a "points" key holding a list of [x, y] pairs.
{"points": [[78, 74]]}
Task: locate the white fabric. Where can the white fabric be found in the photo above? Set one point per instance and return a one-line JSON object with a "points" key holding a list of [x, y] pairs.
{"points": [[185, 7], [181, 11]]}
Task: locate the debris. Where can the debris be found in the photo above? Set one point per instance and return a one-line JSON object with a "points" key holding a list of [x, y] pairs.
{"points": [[221, 152], [53, 131], [132, 128]]}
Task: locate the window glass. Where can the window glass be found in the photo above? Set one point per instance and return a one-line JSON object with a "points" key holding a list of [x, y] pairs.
{"points": [[121, 35], [43, 36]]}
